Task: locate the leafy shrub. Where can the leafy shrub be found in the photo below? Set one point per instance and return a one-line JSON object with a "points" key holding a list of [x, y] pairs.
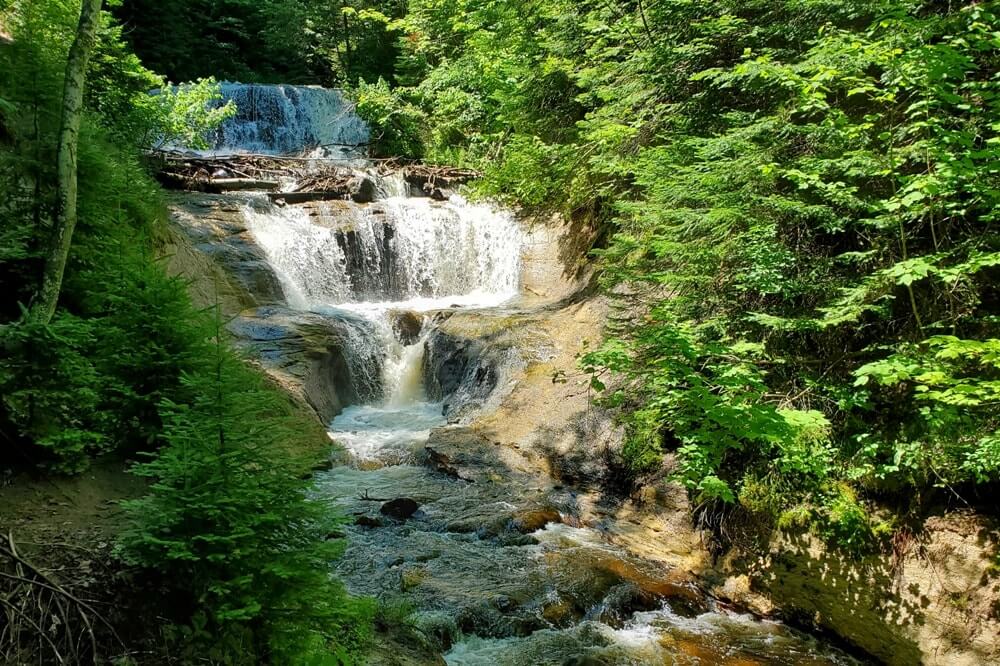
{"points": [[51, 395], [804, 197], [396, 125]]}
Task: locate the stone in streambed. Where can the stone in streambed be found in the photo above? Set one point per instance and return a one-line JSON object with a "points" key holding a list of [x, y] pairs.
{"points": [[533, 520], [361, 189], [368, 521], [407, 326], [400, 508], [411, 578]]}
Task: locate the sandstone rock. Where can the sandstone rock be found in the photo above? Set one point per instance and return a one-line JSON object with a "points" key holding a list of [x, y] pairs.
{"points": [[361, 189], [936, 604], [441, 462], [407, 326], [306, 354], [228, 267], [560, 613], [533, 520]]}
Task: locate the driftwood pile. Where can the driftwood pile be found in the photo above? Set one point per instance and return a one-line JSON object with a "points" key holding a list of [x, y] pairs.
{"points": [[313, 179]]}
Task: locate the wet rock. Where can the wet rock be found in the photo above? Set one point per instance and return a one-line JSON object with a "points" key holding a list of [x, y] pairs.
{"points": [[439, 627], [368, 521], [623, 601], [504, 603], [361, 189], [306, 354], [400, 508], [412, 578], [214, 250], [585, 660], [517, 540], [484, 620], [435, 193], [442, 463], [533, 520], [407, 326], [470, 359], [560, 613]]}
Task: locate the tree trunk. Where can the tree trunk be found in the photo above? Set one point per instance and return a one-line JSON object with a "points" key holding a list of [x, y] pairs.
{"points": [[69, 133]]}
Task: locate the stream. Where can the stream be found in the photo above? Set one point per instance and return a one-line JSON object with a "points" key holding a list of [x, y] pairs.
{"points": [[491, 574]]}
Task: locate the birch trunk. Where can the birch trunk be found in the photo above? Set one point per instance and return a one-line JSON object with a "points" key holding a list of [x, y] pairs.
{"points": [[69, 133]]}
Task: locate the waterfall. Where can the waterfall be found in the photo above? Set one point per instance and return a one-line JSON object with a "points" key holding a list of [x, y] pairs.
{"points": [[387, 263], [282, 119], [375, 267], [410, 254]]}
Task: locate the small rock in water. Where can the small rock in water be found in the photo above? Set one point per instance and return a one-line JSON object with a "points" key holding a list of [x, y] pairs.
{"points": [[535, 519], [400, 508], [361, 189], [412, 578], [407, 327], [368, 521], [585, 660]]}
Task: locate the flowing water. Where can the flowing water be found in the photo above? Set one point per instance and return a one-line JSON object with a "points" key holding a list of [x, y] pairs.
{"points": [[484, 590]]}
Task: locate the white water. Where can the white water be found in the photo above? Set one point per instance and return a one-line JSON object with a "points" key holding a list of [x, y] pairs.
{"points": [[402, 253], [387, 434], [376, 261], [281, 119]]}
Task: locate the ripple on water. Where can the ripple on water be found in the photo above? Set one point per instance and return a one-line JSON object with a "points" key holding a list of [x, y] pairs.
{"points": [[554, 599], [386, 434]]}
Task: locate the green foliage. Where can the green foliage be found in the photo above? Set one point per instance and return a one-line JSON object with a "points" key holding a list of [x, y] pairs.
{"points": [[129, 368], [396, 125], [181, 115], [846, 523], [804, 199], [229, 516], [52, 392], [269, 41]]}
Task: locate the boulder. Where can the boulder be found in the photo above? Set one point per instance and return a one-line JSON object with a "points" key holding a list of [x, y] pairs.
{"points": [[533, 520], [407, 326], [361, 189], [212, 248], [365, 520], [400, 508], [308, 354]]}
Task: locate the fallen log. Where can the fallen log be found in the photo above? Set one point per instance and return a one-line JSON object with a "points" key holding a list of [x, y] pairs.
{"points": [[180, 181], [304, 197], [232, 184]]}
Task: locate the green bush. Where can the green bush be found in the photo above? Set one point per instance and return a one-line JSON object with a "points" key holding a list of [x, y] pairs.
{"points": [[229, 515], [396, 125], [804, 200]]}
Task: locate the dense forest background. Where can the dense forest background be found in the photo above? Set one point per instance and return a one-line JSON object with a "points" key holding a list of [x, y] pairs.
{"points": [[797, 207]]}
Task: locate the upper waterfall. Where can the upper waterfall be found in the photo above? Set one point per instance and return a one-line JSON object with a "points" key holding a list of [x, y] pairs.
{"points": [[283, 119]]}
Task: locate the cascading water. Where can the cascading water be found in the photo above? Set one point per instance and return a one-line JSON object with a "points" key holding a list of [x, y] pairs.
{"points": [[491, 596], [412, 253], [396, 258], [282, 119]]}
